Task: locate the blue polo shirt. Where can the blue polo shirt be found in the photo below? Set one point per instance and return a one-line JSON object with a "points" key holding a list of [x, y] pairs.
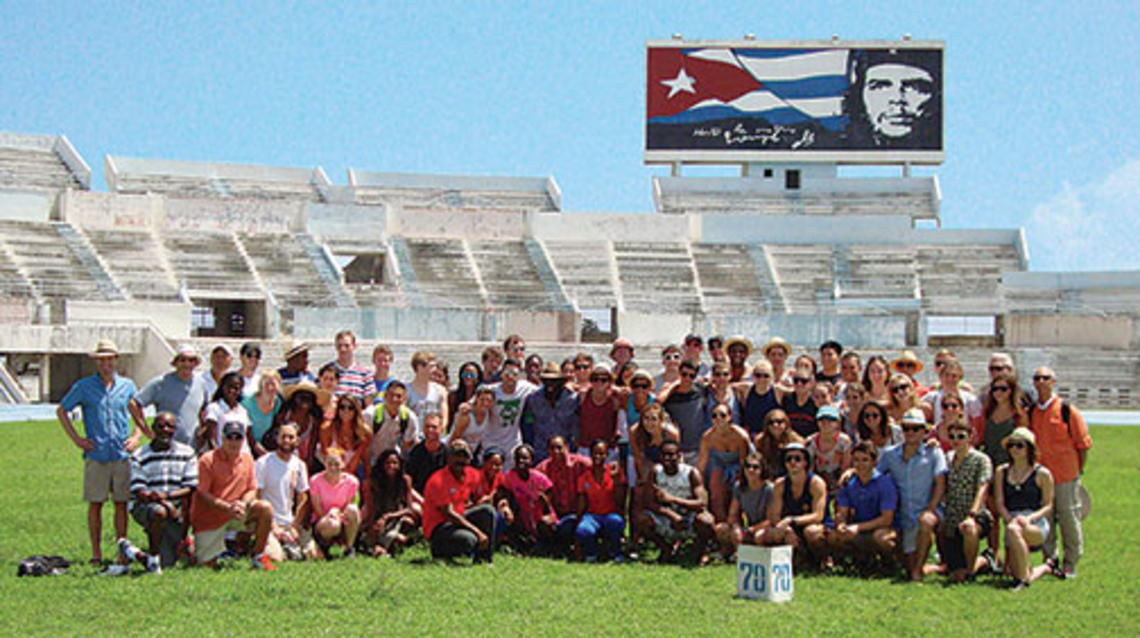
{"points": [[914, 478], [542, 421], [106, 421], [868, 500]]}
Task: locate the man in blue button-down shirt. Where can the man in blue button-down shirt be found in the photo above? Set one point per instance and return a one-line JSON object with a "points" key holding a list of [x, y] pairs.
{"points": [[107, 441], [919, 470]]}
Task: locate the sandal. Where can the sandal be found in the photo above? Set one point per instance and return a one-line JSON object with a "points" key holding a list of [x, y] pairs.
{"points": [[1055, 568]]}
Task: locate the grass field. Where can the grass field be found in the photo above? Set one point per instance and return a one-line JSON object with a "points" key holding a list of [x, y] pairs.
{"points": [[42, 513]]}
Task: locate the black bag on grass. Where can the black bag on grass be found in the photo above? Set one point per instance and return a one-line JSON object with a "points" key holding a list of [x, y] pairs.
{"points": [[40, 565]]}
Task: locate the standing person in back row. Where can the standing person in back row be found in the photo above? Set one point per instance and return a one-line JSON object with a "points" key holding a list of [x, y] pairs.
{"points": [[108, 440], [181, 392], [355, 380], [504, 432], [1063, 443]]}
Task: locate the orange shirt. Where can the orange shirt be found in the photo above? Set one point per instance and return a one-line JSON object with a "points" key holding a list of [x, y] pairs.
{"points": [[1056, 448], [225, 479], [443, 488]]}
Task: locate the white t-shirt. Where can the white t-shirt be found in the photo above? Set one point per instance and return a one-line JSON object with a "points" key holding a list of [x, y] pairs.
{"points": [[421, 404], [252, 384], [221, 414], [280, 481], [971, 404], [387, 435], [503, 430]]}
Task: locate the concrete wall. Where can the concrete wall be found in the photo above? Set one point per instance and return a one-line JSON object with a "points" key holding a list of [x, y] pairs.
{"points": [[433, 324], [108, 210], [172, 319], [73, 339], [803, 229], [347, 220], [868, 332], [621, 227], [1072, 330], [16, 311], [29, 206], [459, 225]]}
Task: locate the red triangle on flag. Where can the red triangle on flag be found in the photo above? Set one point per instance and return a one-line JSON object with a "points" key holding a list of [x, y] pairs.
{"points": [[691, 80]]}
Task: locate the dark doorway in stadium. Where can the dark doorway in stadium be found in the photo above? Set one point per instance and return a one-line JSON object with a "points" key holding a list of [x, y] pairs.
{"points": [[229, 318]]}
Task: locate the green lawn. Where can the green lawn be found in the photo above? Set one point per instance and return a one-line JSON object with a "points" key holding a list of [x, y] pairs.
{"points": [[43, 513]]}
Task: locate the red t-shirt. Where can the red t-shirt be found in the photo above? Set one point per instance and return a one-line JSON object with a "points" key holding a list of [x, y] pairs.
{"points": [[486, 487], [443, 488], [222, 478], [565, 479], [597, 421], [600, 498]]}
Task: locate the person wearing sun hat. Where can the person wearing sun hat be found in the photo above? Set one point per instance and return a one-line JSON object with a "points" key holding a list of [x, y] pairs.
{"points": [[179, 391], [621, 352], [919, 471], [1023, 498], [738, 348], [296, 368], [551, 412], [908, 363], [107, 441]]}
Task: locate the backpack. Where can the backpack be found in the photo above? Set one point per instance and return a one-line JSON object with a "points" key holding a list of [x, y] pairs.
{"points": [[40, 565], [405, 417], [1066, 414]]}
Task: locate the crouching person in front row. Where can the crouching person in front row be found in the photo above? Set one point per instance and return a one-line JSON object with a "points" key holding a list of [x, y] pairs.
{"points": [[865, 512], [164, 474], [226, 500]]}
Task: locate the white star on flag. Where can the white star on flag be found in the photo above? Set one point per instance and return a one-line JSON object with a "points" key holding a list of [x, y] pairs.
{"points": [[683, 82]]}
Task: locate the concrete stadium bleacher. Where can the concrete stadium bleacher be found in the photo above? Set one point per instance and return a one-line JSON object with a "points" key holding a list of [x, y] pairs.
{"points": [[509, 276], [963, 277], [53, 269], [40, 162], [657, 277], [384, 292], [286, 269], [138, 262], [805, 274], [450, 192], [585, 270], [211, 265], [175, 178], [729, 281], [445, 273], [877, 272]]}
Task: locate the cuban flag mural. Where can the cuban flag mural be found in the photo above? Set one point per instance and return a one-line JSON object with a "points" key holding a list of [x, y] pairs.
{"points": [[753, 98]]}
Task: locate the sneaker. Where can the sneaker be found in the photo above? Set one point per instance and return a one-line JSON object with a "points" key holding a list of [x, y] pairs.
{"points": [[1055, 569], [153, 565], [1020, 585], [991, 560], [591, 559], [116, 570], [349, 552], [263, 562], [128, 552], [292, 552], [1070, 573], [619, 559]]}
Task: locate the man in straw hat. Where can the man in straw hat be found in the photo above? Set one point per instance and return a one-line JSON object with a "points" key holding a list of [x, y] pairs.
{"points": [[907, 363], [296, 368], [107, 441], [180, 391], [738, 349], [919, 471], [549, 413]]}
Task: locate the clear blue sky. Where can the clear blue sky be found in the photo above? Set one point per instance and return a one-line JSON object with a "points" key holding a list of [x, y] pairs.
{"points": [[1041, 109]]}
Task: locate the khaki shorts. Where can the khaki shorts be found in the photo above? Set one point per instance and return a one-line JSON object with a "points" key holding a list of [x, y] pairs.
{"points": [[210, 543], [101, 479]]}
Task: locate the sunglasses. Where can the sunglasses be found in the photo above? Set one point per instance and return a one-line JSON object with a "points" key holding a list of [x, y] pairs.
{"points": [[344, 407], [905, 366], [775, 421], [1014, 445], [913, 428], [794, 458], [762, 375], [688, 375], [951, 406], [468, 375], [752, 466], [673, 356], [872, 415], [958, 436], [581, 366], [720, 415], [900, 388], [721, 374], [1041, 377], [998, 368], [511, 374], [999, 388], [235, 436], [801, 381], [939, 364], [640, 386]]}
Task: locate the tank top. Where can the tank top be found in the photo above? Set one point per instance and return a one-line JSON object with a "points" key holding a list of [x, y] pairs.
{"points": [[596, 421], [1024, 496], [731, 402], [801, 505], [756, 407], [475, 431], [801, 418], [652, 452], [677, 485], [632, 415], [995, 432]]}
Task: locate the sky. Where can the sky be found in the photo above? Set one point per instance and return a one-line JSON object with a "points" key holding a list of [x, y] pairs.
{"points": [[1041, 126]]}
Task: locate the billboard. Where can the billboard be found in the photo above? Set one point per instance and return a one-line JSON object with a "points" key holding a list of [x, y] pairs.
{"points": [[794, 101]]}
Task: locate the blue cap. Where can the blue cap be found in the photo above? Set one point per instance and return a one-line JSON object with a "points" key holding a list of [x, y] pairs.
{"points": [[827, 412]]}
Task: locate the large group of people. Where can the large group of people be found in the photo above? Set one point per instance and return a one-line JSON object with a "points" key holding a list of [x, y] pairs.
{"points": [[853, 465]]}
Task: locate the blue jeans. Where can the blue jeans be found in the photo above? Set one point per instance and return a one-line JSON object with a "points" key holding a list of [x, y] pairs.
{"points": [[587, 533]]}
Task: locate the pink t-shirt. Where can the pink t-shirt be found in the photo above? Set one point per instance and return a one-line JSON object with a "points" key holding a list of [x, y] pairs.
{"points": [[526, 495], [339, 496]]}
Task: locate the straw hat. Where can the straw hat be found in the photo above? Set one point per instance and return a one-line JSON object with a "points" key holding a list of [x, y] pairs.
{"points": [[777, 342], [907, 356], [739, 340], [306, 386], [104, 348]]}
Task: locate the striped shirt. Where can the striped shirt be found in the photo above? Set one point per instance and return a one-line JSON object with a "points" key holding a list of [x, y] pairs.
{"points": [[164, 470], [355, 381]]}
